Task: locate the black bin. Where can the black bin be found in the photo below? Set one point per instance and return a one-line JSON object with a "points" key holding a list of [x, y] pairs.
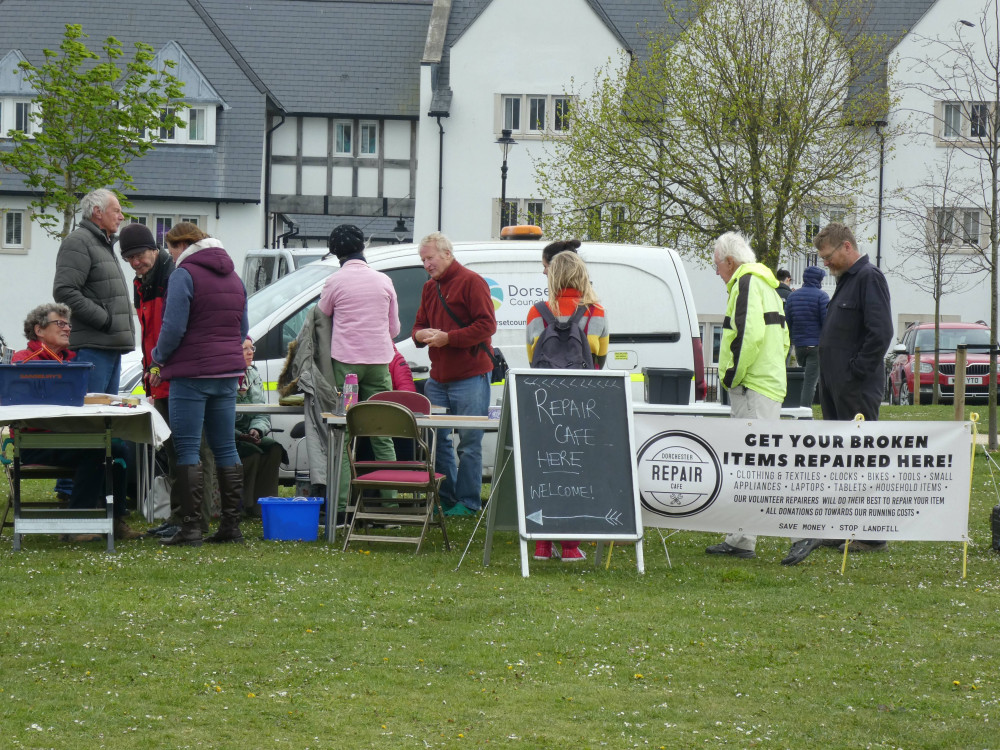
{"points": [[667, 386], [794, 376]]}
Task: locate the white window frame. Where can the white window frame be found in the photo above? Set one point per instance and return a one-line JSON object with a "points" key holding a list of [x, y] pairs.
{"points": [[951, 120], [965, 235], [613, 211], [368, 132], [535, 123], [182, 136], [8, 116], [340, 127], [956, 121], [154, 221], [27, 106], [15, 247], [526, 124], [521, 211], [189, 131], [564, 106], [168, 135], [510, 112]]}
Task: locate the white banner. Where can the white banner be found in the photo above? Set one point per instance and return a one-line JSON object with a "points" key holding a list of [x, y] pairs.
{"points": [[816, 479]]}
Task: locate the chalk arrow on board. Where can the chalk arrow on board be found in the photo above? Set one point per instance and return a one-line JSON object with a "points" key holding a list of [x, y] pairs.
{"points": [[613, 517]]}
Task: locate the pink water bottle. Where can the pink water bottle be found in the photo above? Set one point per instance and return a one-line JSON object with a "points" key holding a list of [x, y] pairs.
{"points": [[350, 390]]}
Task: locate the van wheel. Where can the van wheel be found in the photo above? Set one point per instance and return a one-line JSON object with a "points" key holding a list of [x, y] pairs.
{"points": [[905, 398]]}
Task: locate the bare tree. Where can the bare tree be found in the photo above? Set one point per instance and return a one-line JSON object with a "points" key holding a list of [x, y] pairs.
{"points": [[937, 238], [960, 70]]}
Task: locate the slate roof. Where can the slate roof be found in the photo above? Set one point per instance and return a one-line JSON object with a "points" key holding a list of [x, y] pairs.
{"points": [[356, 58], [631, 20], [337, 57], [228, 171]]}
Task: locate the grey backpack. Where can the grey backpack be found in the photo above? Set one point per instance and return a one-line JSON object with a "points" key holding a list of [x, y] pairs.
{"points": [[563, 345]]}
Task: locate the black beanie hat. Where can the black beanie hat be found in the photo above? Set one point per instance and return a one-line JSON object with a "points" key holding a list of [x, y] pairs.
{"points": [[347, 239], [135, 238]]}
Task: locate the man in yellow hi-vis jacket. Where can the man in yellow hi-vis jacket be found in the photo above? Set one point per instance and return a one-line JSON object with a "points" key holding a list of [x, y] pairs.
{"points": [[754, 347]]}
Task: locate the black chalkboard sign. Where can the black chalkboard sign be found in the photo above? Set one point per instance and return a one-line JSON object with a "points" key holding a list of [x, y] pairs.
{"points": [[567, 435]]}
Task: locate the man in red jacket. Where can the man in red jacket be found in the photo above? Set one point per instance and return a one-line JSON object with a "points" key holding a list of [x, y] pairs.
{"points": [[152, 267], [456, 319]]}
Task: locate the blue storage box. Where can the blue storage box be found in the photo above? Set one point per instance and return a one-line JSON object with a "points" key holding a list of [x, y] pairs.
{"points": [[52, 383], [291, 518]]}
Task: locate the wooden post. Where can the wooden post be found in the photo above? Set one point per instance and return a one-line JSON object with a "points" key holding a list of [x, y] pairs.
{"points": [[960, 358], [916, 376]]}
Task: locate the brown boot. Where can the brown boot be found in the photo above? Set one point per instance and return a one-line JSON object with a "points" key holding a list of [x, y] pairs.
{"points": [[189, 479], [231, 495], [123, 531]]}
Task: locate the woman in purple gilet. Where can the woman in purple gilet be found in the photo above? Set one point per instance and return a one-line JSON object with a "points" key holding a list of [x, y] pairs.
{"points": [[200, 351]]}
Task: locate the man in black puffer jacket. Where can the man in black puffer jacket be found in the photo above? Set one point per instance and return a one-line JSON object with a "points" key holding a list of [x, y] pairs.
{"points": [[89, 279]]}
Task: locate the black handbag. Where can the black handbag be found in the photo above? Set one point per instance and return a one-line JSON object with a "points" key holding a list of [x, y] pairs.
{"points": [[500, 367]]}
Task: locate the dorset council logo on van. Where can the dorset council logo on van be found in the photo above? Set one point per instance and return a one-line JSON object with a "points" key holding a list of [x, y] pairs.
{"points": [[496, 292], [679, 474]]}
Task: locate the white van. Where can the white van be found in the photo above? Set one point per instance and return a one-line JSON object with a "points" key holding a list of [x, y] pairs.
{"points": [[649, 305], [267, 265]]}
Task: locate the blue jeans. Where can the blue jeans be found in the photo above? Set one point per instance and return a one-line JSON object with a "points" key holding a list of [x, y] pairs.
{"points": [[106, 375], [209, 404], [470, 397]]}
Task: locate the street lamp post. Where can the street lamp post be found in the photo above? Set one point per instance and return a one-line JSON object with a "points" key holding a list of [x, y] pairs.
{"points": [[505, 142]]}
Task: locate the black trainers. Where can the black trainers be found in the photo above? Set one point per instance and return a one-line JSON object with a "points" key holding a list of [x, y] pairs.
{"points": [[724, 548], [800, 551]]}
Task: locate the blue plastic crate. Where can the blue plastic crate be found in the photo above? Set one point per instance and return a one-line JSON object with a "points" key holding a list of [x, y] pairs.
{"points": [[53, 383], [291, 518]]}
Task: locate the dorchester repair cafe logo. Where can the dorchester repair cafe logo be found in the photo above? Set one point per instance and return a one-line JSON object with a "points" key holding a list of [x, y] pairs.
{"points": [[679, 474]]}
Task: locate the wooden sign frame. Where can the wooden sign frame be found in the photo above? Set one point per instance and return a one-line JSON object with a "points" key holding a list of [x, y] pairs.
{"points": [[507, 509]]}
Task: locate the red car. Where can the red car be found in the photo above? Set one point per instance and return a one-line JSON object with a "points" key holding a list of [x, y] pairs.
{"points": [[977, 371]]}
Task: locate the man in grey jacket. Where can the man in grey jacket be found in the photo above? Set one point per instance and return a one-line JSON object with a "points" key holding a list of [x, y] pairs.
{"points": [[89, 279]]}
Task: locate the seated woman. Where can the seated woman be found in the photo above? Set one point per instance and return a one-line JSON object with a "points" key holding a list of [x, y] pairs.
{"points": [[261, 455], [47, 330]]}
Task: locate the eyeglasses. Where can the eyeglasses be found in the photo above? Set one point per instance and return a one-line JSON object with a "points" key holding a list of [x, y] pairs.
{"points": [[250, 346], [61, 323], [830, 254]]}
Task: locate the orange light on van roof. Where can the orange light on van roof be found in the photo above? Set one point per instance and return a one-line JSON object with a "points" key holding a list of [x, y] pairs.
{"points": [[521, 232]]}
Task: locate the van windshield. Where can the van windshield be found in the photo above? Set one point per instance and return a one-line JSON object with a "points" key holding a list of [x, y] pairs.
{"points": [[263, 303]]}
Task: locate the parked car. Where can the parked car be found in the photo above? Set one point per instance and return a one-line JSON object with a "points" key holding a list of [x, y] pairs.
{"points": [[974, 335], [645, 290]]}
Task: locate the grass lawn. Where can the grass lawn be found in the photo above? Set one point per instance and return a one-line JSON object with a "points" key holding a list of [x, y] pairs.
{"points": [[296, 645]]}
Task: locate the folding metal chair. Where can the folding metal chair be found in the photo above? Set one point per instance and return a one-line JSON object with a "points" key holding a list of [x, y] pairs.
{"points": [[418, 502], [419, 404], [27, 472], [29, 518]]}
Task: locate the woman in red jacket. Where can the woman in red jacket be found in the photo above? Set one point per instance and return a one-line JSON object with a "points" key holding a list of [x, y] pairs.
{"points": [[47, 330]]}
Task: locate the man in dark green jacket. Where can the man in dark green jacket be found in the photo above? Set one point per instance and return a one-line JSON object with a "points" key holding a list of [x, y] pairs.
{"points": [[90, 280]]}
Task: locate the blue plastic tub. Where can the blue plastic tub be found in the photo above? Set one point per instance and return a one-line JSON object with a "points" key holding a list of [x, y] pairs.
{"points": [[54, 383], [291, 519]]}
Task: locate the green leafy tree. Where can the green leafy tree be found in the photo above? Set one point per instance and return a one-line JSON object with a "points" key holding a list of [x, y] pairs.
{"points": [[90, 117], [741, 114]]}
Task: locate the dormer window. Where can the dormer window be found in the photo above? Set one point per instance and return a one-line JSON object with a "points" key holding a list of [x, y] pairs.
{"points": [[202, 102]]}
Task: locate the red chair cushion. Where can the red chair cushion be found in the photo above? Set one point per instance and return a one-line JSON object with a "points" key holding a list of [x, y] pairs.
{"points": [[398, 476]]}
